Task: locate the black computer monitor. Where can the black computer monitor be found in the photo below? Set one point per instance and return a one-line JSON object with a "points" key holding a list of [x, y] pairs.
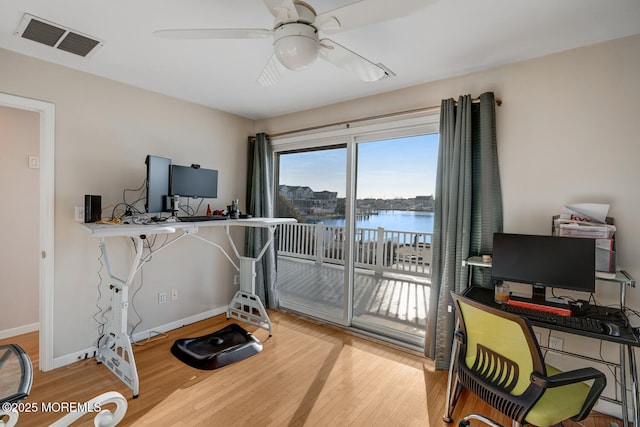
{"points": [[194, 181], [544, 261], [158, 169]]}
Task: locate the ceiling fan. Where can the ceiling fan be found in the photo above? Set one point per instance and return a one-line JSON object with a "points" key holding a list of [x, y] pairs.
{"points": [[296, 43]]}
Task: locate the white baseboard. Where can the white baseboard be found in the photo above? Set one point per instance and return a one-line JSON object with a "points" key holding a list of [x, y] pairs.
{"points": [[142, 335], [610, 408], [8, 333], [74, 357]]}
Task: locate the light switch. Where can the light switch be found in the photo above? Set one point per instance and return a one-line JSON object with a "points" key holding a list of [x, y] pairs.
{"points": [[34, 162]]}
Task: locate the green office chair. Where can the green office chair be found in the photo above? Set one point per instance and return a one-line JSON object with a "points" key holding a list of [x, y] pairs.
{"points": [[499, 360]]}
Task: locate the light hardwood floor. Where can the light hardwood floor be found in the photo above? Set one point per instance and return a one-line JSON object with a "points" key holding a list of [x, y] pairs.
{"points": [[308, 374]]}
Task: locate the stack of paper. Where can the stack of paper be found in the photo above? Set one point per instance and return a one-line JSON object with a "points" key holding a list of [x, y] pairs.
{"points": [[590, 220]]}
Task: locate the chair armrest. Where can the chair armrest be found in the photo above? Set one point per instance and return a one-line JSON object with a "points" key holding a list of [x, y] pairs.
{"points": [[572, 377], [566, 378]]}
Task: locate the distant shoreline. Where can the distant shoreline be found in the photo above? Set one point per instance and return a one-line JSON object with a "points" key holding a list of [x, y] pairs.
{"points": [[389, 219], [373, 213]]}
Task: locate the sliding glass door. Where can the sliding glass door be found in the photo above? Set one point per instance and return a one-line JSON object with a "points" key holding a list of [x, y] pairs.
{"points": [[360, 253]]}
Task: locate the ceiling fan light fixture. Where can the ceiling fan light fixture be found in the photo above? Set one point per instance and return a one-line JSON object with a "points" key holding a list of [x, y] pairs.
{"points": [[296, 45]]}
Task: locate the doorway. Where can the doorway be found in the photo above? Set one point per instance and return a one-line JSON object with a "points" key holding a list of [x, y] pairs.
{"points": [[19, 185], [344, 261], [46, 113]]}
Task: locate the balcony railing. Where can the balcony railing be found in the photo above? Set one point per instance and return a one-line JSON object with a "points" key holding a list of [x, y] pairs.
{"points": [[375, 249]]}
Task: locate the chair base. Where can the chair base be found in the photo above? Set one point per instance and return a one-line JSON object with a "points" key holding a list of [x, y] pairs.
{"points": [[486, 420]]}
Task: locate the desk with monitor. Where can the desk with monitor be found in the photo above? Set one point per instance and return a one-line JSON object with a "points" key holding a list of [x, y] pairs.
{"points": [[514, 260], [628, 341], [115, 349]]}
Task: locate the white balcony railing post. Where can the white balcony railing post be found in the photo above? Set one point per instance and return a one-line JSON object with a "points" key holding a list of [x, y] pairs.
{"points": [[319, 240], [380, 251]]}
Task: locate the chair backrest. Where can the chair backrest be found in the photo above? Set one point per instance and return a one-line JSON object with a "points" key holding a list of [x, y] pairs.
{"points": [[499, 352]]}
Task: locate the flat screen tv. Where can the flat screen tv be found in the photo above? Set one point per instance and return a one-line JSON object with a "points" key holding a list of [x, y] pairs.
{"points": [[544, 261], [158, 169], [191, 181]]}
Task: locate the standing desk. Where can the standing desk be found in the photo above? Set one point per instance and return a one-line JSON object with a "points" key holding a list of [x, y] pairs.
{"points": [[115, 349], [627, 341]]}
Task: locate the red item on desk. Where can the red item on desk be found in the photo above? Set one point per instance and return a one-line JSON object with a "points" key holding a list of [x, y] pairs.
{"points": [[540, 307]]}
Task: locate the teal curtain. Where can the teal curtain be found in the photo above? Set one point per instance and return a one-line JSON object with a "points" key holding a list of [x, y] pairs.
{"points": [[260, 204], [468, 210]]}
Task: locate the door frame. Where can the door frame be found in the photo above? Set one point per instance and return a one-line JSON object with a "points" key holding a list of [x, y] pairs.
{"points": [[46, 111], [350, 135]]}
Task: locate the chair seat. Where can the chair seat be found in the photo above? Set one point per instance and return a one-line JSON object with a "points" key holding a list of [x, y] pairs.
{"points": [[557, 404]]}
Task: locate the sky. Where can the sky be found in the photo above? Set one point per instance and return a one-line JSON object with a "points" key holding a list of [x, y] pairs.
{"points": [[388, 169]]}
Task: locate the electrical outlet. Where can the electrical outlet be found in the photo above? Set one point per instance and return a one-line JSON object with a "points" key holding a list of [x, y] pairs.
{"points": [[174, 294], [79, 217], [236, 280], [162, 297], [556, 343]]}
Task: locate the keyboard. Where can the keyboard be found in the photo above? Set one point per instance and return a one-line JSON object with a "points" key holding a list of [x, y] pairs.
{"points": [[201, 218], [581, 323]]}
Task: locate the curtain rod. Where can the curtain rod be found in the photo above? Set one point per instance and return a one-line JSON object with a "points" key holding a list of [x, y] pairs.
{"points": [[498, 102]]}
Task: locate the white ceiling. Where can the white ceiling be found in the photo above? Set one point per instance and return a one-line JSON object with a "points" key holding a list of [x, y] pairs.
{"points": [[445, 38]]}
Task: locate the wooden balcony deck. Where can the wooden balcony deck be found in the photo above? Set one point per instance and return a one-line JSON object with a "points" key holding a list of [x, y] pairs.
{"points": [[389, 300]]}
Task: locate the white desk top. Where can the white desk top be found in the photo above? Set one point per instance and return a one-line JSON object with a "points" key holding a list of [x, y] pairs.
{"points": [[128, 230]]}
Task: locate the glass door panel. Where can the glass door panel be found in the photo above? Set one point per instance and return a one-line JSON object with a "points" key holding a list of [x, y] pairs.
{"points": [[395, 183], [311, 254]]}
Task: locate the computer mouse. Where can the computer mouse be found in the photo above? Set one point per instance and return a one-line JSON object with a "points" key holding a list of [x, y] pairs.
{"points": [[611, 329]]}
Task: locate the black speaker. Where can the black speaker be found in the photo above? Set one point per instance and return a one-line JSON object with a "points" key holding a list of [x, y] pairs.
{"points": [[92, 208]]}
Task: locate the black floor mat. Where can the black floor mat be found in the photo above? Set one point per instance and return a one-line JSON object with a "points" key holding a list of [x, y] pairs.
{"points": [[221, 348]]}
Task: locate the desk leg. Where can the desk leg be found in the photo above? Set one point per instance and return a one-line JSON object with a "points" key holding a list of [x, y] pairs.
{"points": [[633, 373], [453, 389], [114, 349], [623, 387], [245, 305]]}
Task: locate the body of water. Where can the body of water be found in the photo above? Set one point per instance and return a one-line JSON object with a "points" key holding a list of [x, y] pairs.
{"points": [[421, 222]]}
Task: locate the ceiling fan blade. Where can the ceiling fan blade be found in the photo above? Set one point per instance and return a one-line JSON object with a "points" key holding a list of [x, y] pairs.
{"points": [[271, 73], [366, 12], [283, 10], [355, 64], [215, 33]]}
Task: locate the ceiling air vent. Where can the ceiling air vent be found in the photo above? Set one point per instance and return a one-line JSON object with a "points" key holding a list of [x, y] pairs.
{"points": [[56, 36]]}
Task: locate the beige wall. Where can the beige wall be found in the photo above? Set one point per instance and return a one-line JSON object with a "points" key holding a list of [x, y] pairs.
{"points": [[104, 130], [568, 131], [19, 251]]}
